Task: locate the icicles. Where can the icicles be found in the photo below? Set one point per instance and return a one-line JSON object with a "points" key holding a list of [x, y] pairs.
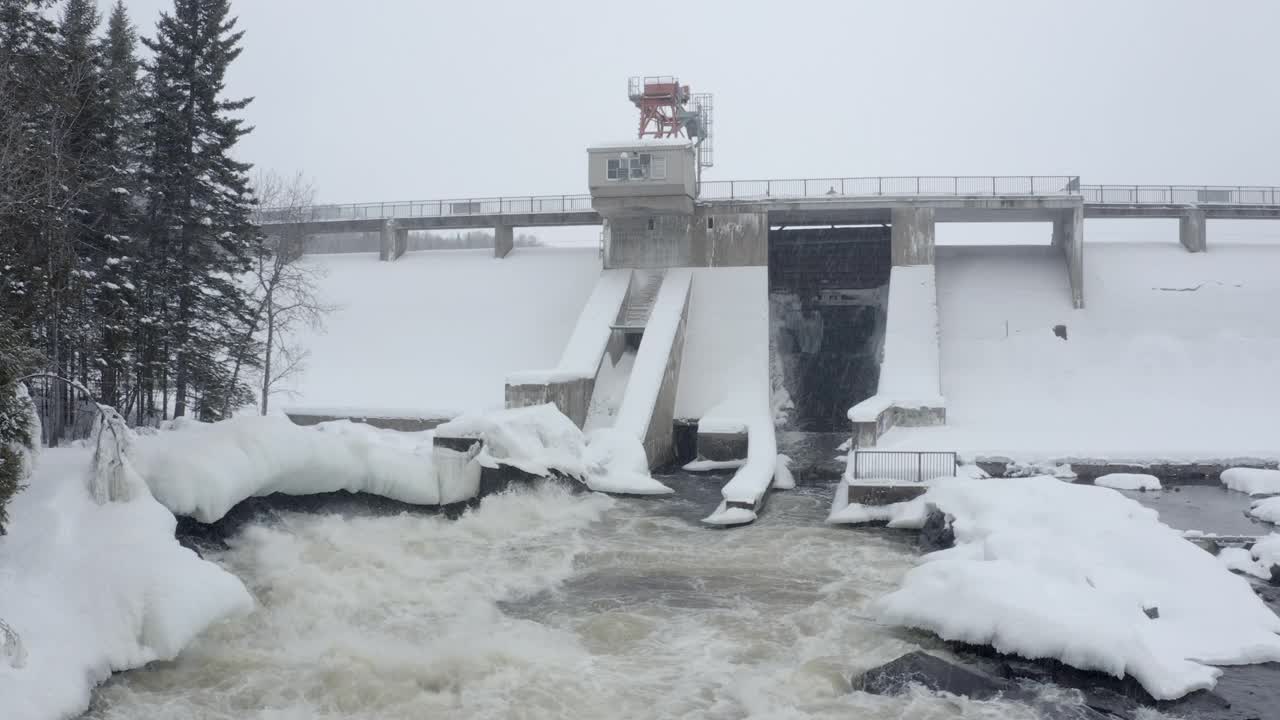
{"points": [[782, 478], [112, 477], [12, 652]]}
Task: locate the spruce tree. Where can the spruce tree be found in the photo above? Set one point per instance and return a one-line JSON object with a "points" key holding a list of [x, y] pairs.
{"points": [[199, 202], [117, 300]]}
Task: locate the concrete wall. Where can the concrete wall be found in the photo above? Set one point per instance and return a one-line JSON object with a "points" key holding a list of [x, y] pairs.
{"points": [[912, 235], [386, 239], [503, 240], [572, 397], [729, 239], [659, 442], [403, 424], [1191, 230], [1068, 236], [658, 241]]}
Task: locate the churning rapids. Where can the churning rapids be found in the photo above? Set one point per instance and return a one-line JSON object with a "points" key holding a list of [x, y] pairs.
{"points": [[547, 604]]}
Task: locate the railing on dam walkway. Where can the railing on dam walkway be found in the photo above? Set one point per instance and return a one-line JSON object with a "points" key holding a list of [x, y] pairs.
{"points": [[901, 465], [519, 205], [752, 190], [1180, 195], [968, 185]]}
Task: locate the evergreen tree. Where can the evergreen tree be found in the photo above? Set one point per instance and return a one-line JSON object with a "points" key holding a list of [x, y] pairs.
{"points": [[198, 227], [117, 308], [17, 436]]}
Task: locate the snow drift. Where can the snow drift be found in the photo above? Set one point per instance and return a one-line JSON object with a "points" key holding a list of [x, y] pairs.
{"points": [[205, 470], [541, 440], [1128, 481], [1256, 561], [1252, 481], [96, 588], [1047, 569]]}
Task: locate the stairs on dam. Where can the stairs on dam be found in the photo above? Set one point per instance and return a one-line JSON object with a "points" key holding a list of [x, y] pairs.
{"points": [[639, 303]]}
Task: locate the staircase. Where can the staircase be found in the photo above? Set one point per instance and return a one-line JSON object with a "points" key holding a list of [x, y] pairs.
{"points": [[635, 311]]}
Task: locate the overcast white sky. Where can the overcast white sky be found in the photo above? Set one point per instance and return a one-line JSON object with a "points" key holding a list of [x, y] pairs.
{"points": [[412, 99]]}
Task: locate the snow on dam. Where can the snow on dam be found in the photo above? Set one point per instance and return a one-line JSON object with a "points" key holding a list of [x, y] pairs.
{"points": [[1173, 358], [436, 332]]}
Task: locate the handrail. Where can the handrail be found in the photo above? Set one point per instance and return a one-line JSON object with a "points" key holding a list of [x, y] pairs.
{"points": [[1180, 194], [875, 186], [456, 207], [830, 187]]}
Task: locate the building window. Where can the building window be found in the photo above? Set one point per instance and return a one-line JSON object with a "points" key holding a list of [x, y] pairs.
{"points": [[650, 223], [641, 166], [711, 223], [658, 168]]}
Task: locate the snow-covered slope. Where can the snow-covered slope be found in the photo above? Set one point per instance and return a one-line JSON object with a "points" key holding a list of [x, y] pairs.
{"points": [[1174, 356], [438, 331], [726, 338]]}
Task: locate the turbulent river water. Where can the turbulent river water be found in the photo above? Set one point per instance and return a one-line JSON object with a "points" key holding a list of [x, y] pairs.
{"points": [[544, 603]]}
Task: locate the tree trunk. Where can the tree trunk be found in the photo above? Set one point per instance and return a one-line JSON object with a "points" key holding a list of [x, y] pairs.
{"points": [[267, 353]]}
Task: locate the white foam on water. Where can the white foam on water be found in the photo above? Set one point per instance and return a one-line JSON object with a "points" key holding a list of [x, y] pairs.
{"points": [[546, 604]]}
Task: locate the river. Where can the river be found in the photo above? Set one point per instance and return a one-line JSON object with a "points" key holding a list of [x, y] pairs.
{"points": [[544, 603]]}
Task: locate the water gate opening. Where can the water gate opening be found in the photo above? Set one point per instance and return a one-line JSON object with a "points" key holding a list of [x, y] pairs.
{"points": [[827, 293]]}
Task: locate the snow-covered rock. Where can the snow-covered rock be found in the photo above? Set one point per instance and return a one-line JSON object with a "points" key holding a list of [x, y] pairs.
{"points": [[1267, 509], [1256, 561], [1046, 569], [1252, 480], [205, 470], [1128, 481], [94, 588]]}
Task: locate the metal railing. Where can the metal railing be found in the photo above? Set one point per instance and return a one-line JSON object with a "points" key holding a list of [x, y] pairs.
{"points": [[966, 185], [902, 465], [520, 205], [747, 190], [1180, 194]]}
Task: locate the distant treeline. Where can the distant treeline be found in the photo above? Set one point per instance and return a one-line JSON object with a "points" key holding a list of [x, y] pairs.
{"points": [[418, 240]]}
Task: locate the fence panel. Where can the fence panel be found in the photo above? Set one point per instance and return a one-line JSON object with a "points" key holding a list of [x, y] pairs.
{"points": [[902, 465]]}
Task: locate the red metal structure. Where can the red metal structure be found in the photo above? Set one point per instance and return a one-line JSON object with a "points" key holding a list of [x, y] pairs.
{"points": [[662, 102], [668, 109]]}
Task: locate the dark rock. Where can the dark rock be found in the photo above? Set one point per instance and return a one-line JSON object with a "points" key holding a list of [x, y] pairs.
{"points": [[1060, 331], [1275, 575], [932, 672], [1110, 702], [1152, 612], [936, 533]]}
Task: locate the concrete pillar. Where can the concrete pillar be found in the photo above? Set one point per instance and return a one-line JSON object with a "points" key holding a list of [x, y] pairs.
{"points": [[1191, 230], [387, 240], [503, 240], [911, 236], [401, 243], [1068, 236]]}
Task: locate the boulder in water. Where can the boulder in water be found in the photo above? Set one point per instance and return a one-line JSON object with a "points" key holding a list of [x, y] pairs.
{"points": [[932, 672]]}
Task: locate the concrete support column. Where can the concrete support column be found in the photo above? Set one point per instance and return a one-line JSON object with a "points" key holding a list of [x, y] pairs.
{"points": [[911, 236], [1191, 230], [386, 240], [1068, 236], [401, 243], [503, 240]]}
